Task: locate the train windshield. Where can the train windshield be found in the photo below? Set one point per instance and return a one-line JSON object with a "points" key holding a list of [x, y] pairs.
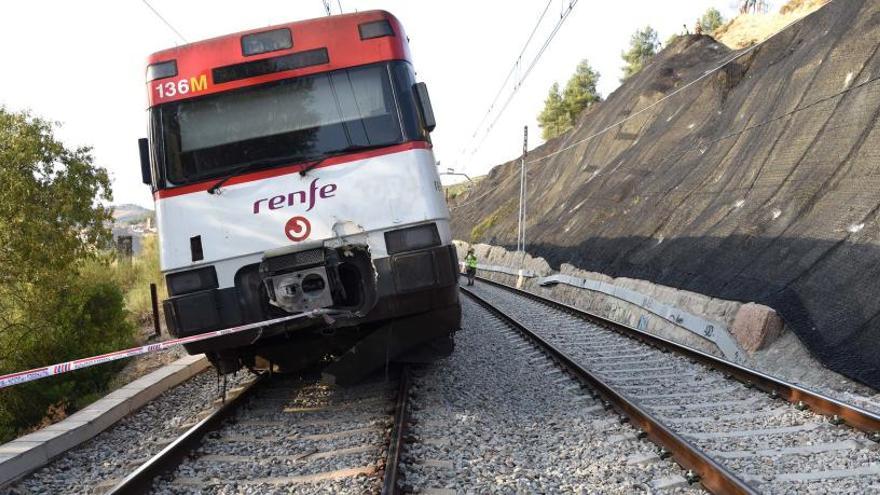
{"points": [[286, 122]]}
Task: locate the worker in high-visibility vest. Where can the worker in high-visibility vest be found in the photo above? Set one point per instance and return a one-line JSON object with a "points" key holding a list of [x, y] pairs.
{"points": [[470, 263]]}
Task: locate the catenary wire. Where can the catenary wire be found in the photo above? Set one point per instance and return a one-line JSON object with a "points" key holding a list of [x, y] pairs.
{"points": [[510, 74], [525, 74], [147, 3]]}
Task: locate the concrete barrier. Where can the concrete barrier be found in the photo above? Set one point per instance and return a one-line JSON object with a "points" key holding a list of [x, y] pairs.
{"points": [[33, 451], [731, 329]]}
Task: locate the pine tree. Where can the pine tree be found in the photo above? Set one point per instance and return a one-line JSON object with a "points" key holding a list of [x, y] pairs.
{"points": [[643, 45], [553, 120], [711, 20], [580, 91]]}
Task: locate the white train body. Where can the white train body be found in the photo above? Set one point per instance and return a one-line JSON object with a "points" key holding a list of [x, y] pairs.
{"points": [[362, 199]]}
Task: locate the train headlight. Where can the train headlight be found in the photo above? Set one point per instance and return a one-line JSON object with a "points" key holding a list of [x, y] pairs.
{"points": [[191, 281], [412, 238]]}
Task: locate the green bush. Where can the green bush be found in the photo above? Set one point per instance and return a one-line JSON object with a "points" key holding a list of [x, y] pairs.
{"points": [[134, 278], [85, 319]]}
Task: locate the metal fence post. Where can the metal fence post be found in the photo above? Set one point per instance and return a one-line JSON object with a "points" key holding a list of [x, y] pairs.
{"points": [[154, 298]]}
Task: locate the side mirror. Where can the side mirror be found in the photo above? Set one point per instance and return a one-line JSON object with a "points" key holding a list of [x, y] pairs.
{"points": [[424, 103], [144, 148]]}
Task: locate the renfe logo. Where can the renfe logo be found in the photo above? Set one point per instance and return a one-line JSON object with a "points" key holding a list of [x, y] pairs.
{"points": [[298, 197], [298, 228]]}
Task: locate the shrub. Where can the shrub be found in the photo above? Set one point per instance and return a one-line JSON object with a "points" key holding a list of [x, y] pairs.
{"points": [[479, 230], [133, 278], [85, 319]]}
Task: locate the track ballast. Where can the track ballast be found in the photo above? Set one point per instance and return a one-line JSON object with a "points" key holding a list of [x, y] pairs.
{"points": [[768, 445]]}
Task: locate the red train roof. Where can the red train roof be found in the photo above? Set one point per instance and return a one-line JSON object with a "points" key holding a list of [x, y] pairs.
{"points": [[338, 34]]}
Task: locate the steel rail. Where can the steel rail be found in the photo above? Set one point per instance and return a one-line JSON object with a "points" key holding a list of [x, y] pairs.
{"points": [[169, 458], [398, 432], [818, 403], [712, 475]]}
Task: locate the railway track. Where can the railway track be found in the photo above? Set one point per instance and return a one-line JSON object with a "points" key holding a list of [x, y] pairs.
{"points": [[285, 434], [498, 416], [734, 429]]}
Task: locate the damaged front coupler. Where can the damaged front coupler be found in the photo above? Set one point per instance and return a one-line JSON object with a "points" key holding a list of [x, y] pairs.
{"points": [[299, 280]]}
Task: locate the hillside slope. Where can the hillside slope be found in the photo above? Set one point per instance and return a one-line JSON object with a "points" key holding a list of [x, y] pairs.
{"points": [[748, 29], [761, 182]]}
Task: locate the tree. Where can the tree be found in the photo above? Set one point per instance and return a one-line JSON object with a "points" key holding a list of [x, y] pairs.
{"points": [[711, 20], [643, 45], [580, 90], [754, 6], [562, 108], [554, 118], [52, 221], [50, 203]]}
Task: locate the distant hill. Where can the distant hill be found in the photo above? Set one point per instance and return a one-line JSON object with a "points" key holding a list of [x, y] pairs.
{"points": [[130, 213]]}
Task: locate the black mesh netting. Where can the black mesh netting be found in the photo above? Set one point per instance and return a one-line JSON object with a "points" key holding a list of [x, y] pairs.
{"points": [[759, 183]]}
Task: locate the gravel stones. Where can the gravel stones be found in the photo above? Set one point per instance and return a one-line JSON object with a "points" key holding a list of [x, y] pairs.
{"points": [[765, 441], [96, 465], [494, 417], [294, 437]]}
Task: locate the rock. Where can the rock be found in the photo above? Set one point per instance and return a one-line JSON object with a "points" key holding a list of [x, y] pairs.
{"points": [[755, 326]]}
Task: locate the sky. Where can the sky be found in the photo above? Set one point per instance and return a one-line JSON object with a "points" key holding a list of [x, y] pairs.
{"points": [[82, 63]]}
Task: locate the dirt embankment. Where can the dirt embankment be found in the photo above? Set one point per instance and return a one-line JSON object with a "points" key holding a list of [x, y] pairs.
{"points": [[748, 29], [758, 183]]}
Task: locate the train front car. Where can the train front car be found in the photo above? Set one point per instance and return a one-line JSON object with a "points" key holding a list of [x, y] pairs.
{"points": [[293, 173]]}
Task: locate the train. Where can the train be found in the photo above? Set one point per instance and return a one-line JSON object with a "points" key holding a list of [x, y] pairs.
{"points": [[293, 173]]}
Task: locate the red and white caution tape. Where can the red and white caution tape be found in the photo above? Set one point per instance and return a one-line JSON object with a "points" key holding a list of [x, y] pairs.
{"points": [[60, 368]]}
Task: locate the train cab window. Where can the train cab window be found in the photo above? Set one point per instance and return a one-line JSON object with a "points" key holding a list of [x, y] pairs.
{"points": [[287, 121]]}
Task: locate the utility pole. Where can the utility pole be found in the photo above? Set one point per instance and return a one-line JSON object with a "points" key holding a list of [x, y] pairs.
{"points": [[521, 221]]}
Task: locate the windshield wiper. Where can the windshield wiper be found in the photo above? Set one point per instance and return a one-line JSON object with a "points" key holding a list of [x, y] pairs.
{"points": [[314, 161], [348, 149], [256, 164]]}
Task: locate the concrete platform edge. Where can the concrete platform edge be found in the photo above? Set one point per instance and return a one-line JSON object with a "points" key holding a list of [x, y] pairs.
{"points": [[26, 454]]}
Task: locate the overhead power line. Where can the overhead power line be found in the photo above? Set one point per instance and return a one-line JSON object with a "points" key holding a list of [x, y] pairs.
{"points": [[527, 72], [519, 81], [516, 64], [165, 21]]}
